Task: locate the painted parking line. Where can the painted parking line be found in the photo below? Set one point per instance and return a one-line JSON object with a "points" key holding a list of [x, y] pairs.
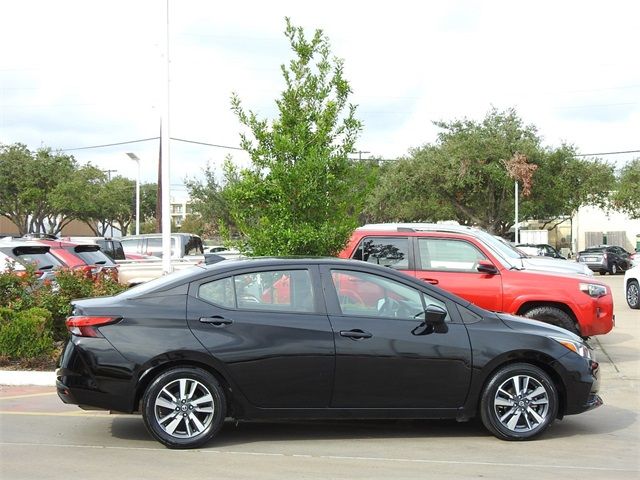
{"points": [[28, 395], [329, 457]]}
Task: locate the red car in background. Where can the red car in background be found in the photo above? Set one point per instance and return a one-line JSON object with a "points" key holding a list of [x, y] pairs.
{"points": [[472, 264], [85, 257]]}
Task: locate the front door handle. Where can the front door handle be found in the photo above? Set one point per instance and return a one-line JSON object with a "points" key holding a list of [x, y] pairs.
{"points": [[432, 281], [216, 321], [355, 334]]}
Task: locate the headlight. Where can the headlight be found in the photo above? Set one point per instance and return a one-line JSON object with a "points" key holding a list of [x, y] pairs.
{"points": [[593, 289], [577, 347]]}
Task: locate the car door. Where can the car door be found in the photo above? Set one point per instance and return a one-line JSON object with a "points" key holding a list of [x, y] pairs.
{"points": [[451, 264], [382, 361], [270, 331]]}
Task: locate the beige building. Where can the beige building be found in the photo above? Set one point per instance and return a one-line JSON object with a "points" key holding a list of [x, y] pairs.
{"points": [[594, 226], [74, 229]]}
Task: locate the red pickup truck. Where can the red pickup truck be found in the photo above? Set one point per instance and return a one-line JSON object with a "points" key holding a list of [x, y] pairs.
{"points": [[472, 264]]}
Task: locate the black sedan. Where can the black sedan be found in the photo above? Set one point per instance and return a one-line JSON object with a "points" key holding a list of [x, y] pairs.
{"points": [[316, 338]]}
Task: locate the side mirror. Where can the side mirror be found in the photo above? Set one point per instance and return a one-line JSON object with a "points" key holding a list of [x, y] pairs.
{"points": [[485, 266], [433, 323]]}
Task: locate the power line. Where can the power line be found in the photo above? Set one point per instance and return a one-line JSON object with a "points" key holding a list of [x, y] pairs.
{"points": [[206, 144], [605, 153], [109, 144]]}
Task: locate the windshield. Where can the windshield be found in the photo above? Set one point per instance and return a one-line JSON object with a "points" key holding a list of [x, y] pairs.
{"points": [[502, 249]]}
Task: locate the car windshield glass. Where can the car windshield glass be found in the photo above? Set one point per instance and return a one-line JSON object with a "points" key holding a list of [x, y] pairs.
{"points": [[42, 260], [501, 248]]}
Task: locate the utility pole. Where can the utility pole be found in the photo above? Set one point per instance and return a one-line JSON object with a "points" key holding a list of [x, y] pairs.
{"points": [[108, 172]]}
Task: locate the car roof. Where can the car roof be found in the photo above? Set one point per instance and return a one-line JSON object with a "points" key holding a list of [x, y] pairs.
{"points": [[20, 242], [418, 227], [201, 271], [158, 235]]}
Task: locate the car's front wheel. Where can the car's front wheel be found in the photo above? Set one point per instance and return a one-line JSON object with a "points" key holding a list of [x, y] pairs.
{"points": [[518, 402], [184, 407], [633, 294], [614, 269]]}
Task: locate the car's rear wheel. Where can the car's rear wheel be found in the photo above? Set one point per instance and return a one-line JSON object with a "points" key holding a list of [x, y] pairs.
{"points": [[519, 402], [554, 316], [633, 294], [184, 407]]}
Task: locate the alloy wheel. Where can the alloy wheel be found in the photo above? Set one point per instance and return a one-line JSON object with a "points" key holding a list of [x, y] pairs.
{"points": [[184, 408], [521, 403]]}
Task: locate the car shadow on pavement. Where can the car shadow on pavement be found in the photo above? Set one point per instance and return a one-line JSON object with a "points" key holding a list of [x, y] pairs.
{"points": [[244, 433], [241, 433]]}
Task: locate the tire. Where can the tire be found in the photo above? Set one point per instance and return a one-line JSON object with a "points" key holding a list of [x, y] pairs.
{"points": [[184, 407], [614, 269], [602, 272], [633, 294], [518, 402], [554, 316]]}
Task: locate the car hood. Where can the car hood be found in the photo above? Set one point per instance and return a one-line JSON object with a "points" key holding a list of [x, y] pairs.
{"points": [[529, 325], [555, 265]]}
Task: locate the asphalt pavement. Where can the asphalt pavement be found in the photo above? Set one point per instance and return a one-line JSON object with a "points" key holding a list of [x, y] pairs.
{"points": [[41, 438]]}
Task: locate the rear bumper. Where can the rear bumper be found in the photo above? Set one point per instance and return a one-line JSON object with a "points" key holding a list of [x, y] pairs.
{"points": [[102, 383]]}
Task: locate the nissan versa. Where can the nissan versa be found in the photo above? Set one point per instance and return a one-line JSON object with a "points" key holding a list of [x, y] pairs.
{"points": [[316, 338]]}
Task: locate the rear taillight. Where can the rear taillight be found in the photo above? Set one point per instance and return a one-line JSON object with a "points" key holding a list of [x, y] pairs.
{"points": [[87, 326]]}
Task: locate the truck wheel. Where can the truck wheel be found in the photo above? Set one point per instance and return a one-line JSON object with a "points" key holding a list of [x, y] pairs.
{"points": [[554, 316]]}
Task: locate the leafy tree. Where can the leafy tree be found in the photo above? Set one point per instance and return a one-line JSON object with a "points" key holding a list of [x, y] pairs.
{"points": [[627, 196], [468, 175], [209, 202], [299, 195], [28, 181]]}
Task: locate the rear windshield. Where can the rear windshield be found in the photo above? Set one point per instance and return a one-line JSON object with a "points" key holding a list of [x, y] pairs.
{"points": [[91, 255], [41, 258]]}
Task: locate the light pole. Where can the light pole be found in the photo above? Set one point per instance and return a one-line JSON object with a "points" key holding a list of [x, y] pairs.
{"points": [[135, 158]]}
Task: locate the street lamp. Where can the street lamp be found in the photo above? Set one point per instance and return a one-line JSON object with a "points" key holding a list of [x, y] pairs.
{"points": [[135, 158]]}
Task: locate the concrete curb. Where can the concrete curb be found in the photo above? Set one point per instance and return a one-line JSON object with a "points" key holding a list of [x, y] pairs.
{"points": [[27, 377]]}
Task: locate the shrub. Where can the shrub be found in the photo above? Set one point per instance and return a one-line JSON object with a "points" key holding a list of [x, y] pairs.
{"points": [[26, 334]]}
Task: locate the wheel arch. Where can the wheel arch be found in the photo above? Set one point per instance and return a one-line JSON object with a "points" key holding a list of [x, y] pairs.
{"points": [[234, 405], [530, 305], [535, 358]]}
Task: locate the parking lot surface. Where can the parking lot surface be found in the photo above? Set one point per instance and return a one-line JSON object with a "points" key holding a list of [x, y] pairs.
{"points": [[42, 438]]}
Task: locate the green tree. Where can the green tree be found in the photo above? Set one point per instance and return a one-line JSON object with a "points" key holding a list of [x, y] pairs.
{"points": [[28, 183], [298, 196], [468, 175], [209, 202], [627, 195]]}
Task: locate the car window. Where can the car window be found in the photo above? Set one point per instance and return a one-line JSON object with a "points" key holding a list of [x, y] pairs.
{"points": [[130, 244], [366, 294], [219, 292], [90, 256], [193, 246], [42, 260], [280, 290], [387, 251], [448, 254]]}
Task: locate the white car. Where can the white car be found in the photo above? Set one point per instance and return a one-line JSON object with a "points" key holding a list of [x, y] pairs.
{"points": [[632, 287]]}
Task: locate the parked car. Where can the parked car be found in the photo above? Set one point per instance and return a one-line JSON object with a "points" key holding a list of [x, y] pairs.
{"points": [[540, 250], [544, 264], [182, 244], [112, 247], [632, 287], [21, 253], [605, 259], [86, 257], [192, 348], [473, 264]]}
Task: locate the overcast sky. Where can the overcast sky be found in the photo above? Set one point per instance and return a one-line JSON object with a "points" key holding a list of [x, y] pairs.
{"points": [[84, 73]]}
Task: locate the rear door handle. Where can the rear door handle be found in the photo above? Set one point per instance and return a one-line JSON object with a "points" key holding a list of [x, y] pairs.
{"points": [[355, 334], [432, 281], [216, 321]]}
